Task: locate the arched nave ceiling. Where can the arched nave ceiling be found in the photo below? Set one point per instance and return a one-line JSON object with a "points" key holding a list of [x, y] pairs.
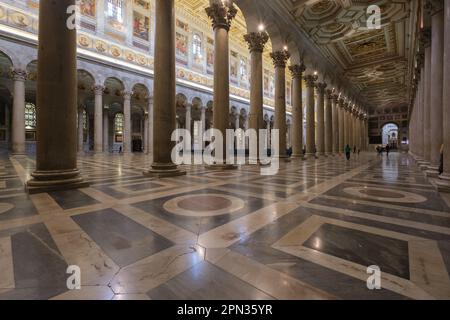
{"points": [[374, 61]]}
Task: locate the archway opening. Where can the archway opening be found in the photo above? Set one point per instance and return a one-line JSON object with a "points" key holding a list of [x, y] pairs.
{"points": [[389, 135]]}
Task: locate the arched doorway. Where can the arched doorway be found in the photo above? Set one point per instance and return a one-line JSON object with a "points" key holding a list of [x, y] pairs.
{"points": [[389, 134]]}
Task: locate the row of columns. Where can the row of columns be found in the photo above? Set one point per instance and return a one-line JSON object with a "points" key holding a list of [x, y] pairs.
{"points": [[56, 129], [430, 116]]}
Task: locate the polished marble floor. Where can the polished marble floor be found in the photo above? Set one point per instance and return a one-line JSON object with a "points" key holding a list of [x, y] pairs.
{"points": [[310, 232]]}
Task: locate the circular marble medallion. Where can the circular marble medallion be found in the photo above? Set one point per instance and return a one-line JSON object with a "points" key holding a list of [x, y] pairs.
{"points": [[5, 207], [204, 205], [387, 195]]}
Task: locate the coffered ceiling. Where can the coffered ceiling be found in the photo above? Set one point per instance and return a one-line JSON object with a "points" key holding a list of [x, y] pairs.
{"points": [[374, 61]]}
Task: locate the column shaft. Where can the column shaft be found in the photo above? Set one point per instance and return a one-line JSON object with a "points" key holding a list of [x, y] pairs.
{"points": [[297, 110], [164, 108], [444, 182], [80, 129], [56, 151], [321, 87], [98, 119], [310, 116], [279, 59], [437, 62], [18, 113]]}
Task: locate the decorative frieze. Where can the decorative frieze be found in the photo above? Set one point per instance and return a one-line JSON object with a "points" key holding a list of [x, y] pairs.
{"points": [[434, 6]]}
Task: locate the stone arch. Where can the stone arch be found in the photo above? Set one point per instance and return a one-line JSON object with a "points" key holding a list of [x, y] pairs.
{"points": [[251, 14], [5, 53]]}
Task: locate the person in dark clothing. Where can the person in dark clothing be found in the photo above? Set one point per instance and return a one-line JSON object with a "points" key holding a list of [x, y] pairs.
{"points": [[441, 165], [354, 149], [348, 152], [388, 148]]}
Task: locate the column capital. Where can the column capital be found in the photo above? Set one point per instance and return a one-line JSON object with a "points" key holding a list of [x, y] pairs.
{"points": [[127, 94], [434, 6], [280, 58], [330, 94], [221, 14], [321, 86], [310, 80], [256, 41], [297, 70], [19, 75], [98, 89]]}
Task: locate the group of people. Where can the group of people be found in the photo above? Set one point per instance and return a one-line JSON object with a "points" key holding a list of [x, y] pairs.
{"points": [[381, 149], [348, 151]]}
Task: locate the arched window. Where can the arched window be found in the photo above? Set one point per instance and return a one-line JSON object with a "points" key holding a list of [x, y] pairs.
{"points": [[243, 70], [118, 123], [197, 46], [30, 116]]}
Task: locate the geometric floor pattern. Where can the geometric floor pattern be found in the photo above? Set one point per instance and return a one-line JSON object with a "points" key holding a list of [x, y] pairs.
{"points": [[308, 232]]}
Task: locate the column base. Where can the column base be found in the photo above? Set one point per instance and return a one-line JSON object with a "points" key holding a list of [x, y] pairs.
{"points": [[432, 172], [222, 166], [298, 156], [159, 170], [55, 180], [424, 165], [310, 155], [443, 184]]}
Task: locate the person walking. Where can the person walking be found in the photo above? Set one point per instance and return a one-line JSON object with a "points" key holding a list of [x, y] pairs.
{"points": [[388, 148], [348, 152]]}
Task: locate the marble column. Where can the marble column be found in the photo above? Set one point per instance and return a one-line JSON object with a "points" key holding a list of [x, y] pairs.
{"points": [[150, 125], [188, 125], [221, 15], [98, 118], [335, 117], [18, 112], [106, 130], [56, 149], [164, 92], [268, 128], [444, 182], [146, 128], [341, 126], [297, 110], [81, 129], [310, 116], [437, 78], [321, 87], [237, 121], [329, 123], [427, 108], [127, 121], [256, 42], [203, 121], [280, 59], [346, 125]]}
